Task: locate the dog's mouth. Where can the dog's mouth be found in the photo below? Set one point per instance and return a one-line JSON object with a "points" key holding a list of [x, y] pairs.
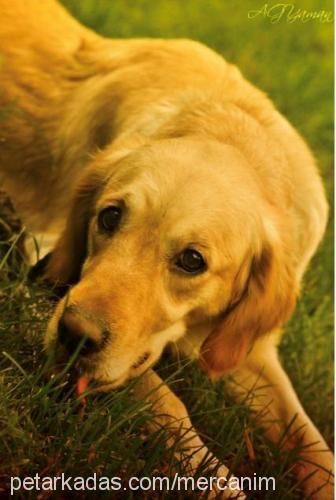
{"points": [[100, 383], [82, 371], [141, 360]]}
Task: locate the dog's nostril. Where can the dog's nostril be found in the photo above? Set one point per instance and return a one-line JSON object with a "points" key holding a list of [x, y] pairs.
{"points": [[77, 334]]}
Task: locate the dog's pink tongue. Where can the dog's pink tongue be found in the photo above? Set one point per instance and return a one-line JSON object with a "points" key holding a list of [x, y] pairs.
{"points": [[82, 384]]}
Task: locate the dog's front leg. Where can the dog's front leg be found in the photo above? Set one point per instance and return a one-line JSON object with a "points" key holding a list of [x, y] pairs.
{"points": [[170, 413], [263, 384]]}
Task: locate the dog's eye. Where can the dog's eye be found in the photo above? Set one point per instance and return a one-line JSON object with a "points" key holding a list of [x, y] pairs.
{"points": [[109, 218], [191, 261]]}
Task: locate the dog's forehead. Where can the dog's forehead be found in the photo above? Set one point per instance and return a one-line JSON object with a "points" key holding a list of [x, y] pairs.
{"points": [[188, 192], [181, 174]]}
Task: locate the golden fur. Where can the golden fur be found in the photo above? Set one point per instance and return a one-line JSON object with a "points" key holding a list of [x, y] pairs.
{"points": [[196, 156]]}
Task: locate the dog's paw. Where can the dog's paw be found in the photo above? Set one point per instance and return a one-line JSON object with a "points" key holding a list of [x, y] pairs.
{"points": [[231, 490], [221, 484], [317, 481]]}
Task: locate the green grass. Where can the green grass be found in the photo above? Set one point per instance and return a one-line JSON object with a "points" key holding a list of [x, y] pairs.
{"points": [[41, 427]]}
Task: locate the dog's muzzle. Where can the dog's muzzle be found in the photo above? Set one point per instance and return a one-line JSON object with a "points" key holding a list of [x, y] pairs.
{"points": [[78, 333]]}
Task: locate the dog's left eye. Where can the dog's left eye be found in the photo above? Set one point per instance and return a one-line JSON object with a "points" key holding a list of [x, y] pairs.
{"points": [[191, 261], [109, 219]]}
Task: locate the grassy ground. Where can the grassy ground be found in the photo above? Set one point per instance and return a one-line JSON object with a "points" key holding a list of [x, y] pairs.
{"points": [[41, 427]]}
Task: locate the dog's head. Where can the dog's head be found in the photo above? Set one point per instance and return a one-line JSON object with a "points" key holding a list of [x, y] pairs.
{"points": [[167, 235]]}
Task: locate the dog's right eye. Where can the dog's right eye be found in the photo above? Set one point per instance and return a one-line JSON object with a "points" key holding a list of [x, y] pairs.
{"points": [[191, 262], [109, 219]]}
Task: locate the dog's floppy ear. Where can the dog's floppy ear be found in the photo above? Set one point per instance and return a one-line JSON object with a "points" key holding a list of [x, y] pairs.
{"points": [[266, 303], [64, 264]]}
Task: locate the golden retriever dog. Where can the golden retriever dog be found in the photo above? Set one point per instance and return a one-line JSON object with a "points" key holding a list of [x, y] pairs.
{"points": [[185, 207]]}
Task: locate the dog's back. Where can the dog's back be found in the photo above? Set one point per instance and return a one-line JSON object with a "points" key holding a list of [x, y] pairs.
{"points": [[38, 39], [43, 24]]}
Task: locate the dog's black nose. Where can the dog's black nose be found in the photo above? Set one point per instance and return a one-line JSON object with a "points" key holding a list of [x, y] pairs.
{"points": [[77, 333]]}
